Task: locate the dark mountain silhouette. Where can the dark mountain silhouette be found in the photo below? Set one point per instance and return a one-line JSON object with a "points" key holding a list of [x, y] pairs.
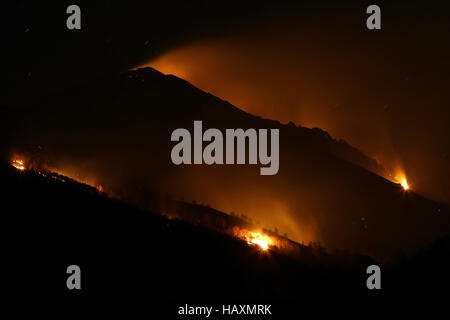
{"points": [[53, 221], [116, 132]]}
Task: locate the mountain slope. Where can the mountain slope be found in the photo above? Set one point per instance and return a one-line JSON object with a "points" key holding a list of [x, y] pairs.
{"points": [[125, 251], [55, 222], [117, 133]]}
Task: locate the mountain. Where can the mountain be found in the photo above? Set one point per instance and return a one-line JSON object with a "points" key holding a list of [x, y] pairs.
{"points": [[54, 222], [116, 132]]}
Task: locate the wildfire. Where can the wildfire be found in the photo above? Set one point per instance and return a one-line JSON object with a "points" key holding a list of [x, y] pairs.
{"points": [[18, 164], [262, 240], [400, 178], [263, 244], [259, 239], [404, 184]]}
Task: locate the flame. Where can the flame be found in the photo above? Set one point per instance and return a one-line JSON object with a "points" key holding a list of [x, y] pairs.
{"points": [[263, 244], [404, 184], [400, 178], [18, 164], [259, 239]]}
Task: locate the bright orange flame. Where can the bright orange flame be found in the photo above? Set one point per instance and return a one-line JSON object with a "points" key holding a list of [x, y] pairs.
{"points": [[404, 184], [259, 239], [263, 244], [18, 164]]}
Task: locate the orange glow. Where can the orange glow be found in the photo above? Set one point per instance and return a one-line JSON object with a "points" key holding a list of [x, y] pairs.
{"points": [[263, 244], [404, 184], [262, 240], [18, 164], [259, 239], [400, 177]]}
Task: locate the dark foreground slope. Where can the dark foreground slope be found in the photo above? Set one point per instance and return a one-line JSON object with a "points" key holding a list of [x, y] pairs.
{"points": [[48, 224]]}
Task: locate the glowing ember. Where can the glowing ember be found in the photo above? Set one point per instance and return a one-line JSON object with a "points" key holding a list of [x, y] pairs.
{"points": [[404, 184], [261, 240], [18, 164]]}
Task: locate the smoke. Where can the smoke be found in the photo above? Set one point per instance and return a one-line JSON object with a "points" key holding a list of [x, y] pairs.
{"points": [[372, 90]]}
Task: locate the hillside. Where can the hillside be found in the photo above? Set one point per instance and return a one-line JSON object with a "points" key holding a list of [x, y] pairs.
{"points": [[55, 222], [116, 132]]}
